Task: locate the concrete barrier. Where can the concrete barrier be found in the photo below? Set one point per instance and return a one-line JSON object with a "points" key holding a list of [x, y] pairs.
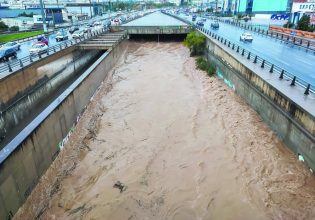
{"points": [[30, 153], [45, 80], [291, 121]]}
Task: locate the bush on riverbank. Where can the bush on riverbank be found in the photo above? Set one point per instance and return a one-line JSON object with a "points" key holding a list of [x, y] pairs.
{"points": [[195, 42], [204, 65]]}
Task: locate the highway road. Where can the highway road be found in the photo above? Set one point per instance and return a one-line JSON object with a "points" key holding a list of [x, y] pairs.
{"points": [[25, 46], [294, 59]]}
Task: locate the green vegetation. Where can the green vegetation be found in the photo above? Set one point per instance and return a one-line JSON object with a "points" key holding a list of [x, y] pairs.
{"points": [[304, 24], [14, 28], [195, 42], [204, 65], [11, 37], [288, 25], [3, 26], [24, 14]]}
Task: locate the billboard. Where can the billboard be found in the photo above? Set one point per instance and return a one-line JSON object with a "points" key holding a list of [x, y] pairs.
{"points": [[270, 5]]}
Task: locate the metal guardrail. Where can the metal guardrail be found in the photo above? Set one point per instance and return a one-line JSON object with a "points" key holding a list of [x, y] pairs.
{"points": [[282, 73], [299, 41], [172, 29], [18, 64]]}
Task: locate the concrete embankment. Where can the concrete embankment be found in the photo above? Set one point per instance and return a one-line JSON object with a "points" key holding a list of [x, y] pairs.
{"points": [[32, 151], [284, 108], [184, 146], [25, 93]]}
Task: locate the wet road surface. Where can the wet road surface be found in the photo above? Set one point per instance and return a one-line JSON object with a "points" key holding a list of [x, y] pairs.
{"points": [[294, 59], [184, 145]]}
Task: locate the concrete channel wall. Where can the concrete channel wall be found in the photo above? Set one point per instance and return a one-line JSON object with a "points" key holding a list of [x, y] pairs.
{"points": [[294, 125], [47, 78], [26, 158], [14, 84]]}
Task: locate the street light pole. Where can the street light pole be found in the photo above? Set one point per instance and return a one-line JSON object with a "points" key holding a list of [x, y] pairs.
{"points": [[43, 15]]}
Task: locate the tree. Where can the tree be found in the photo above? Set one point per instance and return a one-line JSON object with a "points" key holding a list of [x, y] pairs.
{"points": [[304, 23], [3, 26], [14, 28], [195, 42]]}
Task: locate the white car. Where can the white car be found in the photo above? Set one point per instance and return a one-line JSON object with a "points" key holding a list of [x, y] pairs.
{"points": [[78, 34], [14, 45], [38, 48], [246, 37]]}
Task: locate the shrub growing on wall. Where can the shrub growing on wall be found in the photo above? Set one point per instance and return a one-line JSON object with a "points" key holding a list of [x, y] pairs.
{"points": [[195, 42], [204, 65]]}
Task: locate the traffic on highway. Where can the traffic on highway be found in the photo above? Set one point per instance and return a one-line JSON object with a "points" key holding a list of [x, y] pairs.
{"points": [[11, 51], [285, 55]]}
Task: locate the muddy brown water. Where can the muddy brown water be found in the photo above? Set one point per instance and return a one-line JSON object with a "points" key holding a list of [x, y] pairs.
{"points": [[184, 145]]}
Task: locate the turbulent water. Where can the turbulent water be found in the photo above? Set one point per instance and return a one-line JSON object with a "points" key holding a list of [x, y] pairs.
{"points": [[183, 145]]}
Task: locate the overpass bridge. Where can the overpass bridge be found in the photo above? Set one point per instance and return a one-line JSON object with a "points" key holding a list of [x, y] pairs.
{"points": [[45, 99]]}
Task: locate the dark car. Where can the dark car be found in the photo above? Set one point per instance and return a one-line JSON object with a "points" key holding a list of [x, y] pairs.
{"points": [[200, 23], [194, 17], [73, 29], [215, 25], [42, 39], [6, 53]]}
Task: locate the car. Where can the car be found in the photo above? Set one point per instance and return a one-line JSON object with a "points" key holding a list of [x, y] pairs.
{"points": [[194, 17], [78, 34], [96, 23], [115, 22], [106, 23], [200, 23], [41, 39], [203, 19], [38, 48], [215, 25], [73, 29], [14, 45], [246, 37], [87, 30], [62, 35], [6, 53]]}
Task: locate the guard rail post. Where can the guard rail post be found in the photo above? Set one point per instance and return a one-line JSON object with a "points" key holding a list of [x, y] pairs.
{"points": [[9, 67], [293, 81], [21, 63], [307, 91], [271, 69]]}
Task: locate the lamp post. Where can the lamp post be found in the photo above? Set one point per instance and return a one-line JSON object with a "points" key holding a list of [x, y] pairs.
{"points": [[43, 15]]}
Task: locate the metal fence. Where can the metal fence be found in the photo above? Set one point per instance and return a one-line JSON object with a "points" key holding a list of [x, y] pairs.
{"points": [[299, 41], [264, 64], [17, 64]]}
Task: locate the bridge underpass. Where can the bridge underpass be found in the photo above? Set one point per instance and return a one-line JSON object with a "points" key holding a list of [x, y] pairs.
{"points": [[159, 140]]}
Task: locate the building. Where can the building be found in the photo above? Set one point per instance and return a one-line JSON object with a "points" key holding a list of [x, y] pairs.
{"points": [[263, 6], [301, 7]]}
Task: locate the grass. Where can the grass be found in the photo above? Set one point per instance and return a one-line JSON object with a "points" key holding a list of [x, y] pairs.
{"points": [[16, 36], [204, 65]]}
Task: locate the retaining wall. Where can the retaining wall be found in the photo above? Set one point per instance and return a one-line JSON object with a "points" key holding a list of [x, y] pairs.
{"points": [[291, 122], [46, 80], [24, 160]]}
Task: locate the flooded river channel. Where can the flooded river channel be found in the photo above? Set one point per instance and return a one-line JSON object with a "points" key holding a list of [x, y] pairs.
{"points": [[161, 140]]}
